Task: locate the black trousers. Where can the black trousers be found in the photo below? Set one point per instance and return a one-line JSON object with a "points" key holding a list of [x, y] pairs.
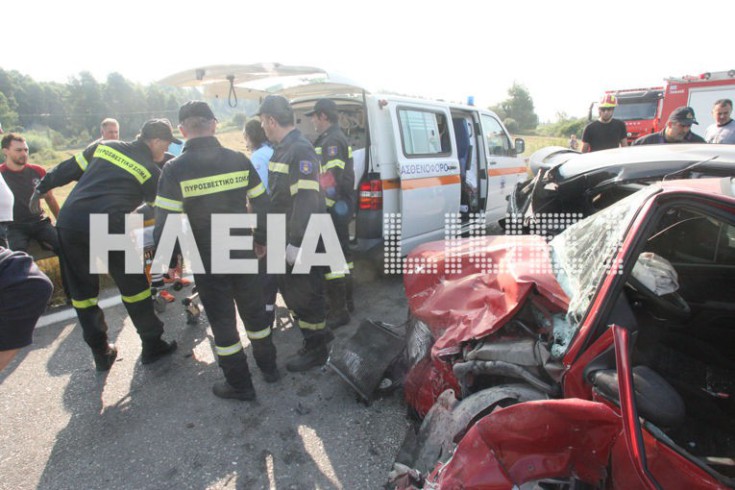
{"points": [[21, 234], [304, 296], [220, 293], [84, 289]]}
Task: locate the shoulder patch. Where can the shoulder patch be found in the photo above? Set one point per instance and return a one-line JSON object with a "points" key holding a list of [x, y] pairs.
{"points": [[306, 167], [332, 151]]}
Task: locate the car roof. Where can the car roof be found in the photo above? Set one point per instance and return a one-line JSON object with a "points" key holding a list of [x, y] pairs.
{"points": [[723, 189], [657, 158]]}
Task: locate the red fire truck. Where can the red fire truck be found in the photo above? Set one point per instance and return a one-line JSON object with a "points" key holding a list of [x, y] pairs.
{"points": [[645, 110]]}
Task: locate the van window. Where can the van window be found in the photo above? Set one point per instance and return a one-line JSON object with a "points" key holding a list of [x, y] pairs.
{"points": [[423, 132], [498, 142]]}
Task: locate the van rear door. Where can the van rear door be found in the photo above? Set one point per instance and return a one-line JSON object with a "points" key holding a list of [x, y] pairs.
{"points": [[429, 175]]}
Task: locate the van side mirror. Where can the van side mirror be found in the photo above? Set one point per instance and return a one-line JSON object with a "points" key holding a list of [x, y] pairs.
{"points": [[520, 146]]}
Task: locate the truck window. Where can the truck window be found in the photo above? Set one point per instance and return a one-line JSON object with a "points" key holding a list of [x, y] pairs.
{"points": [[498, 142], [424, 132]]}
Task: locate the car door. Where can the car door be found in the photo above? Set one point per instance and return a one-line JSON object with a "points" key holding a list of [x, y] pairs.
{"points": [[504, 169], [429, 171]]}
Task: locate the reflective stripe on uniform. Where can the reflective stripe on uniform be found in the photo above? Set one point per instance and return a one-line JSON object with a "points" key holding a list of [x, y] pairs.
{"points": [[349, 151], [280, 168], [169, 204], [329, 276], [330, 202], [84, 303], [336, 163], [214, 184], [145, 294], [228, 351], [350, 265], [318, 150], [256, 191], [302, 184], [81, 161], [311, 326], [260, 334], [124, 162]]}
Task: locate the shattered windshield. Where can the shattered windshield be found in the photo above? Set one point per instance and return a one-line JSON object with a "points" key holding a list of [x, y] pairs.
{"points": [[583, 254]]}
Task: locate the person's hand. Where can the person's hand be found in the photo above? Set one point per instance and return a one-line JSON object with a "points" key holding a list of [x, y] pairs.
{"points": [[292, 254], [34, 203], [260, 250]]}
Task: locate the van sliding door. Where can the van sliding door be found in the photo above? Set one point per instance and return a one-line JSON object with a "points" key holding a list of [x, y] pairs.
{"points": [[429, 172]]}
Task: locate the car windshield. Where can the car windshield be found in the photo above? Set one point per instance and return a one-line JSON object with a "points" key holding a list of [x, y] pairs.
{"points": [[584, 253]]}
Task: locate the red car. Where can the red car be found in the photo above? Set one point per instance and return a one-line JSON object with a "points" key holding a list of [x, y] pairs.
{"points": [[604, 358]]}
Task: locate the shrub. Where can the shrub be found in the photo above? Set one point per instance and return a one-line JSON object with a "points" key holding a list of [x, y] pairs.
{"points": [[511, 124]]}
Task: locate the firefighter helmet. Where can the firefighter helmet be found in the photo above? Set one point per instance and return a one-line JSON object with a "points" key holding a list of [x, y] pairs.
{"points": [[609, 100]]}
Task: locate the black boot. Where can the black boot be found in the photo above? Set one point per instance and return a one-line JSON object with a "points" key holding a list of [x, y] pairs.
{"points": [[154, 350], [237, 385], [337, 314], [105, 357], [313, 354], [264, 352]]}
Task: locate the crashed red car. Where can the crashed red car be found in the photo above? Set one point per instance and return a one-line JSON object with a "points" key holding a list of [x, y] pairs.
{"points": [[604, 358]]}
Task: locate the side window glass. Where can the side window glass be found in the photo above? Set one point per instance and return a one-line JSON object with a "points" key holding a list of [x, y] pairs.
{"points": [[498, 142], [423, 133]]}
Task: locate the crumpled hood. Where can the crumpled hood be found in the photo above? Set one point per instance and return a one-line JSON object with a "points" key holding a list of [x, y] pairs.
{"points": [[471, 304]]}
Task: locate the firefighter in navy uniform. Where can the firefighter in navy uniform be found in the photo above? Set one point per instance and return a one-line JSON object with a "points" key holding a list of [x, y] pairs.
{"points": [[208, 179], [337, 181], [114, 177], [293, 180]]}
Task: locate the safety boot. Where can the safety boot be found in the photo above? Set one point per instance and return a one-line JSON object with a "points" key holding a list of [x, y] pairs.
{"points": [[337, 314], [264, 352], [237, 385], [313, 354], [223, 389], [154, 350], [105, 357]]}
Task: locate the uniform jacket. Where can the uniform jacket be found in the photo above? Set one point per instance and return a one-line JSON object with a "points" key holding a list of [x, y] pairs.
{"points": [[115, 177], [293, 180], [209, 179], [337, 167]]}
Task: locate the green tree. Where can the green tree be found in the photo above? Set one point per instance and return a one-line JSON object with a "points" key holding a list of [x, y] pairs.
{"points": [[86, 105], [519, 107], [8, 117]]}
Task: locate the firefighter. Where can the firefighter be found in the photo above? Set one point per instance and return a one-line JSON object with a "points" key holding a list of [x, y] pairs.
{"points": [[293, 180], [205, 180], [337, 181], [114, 177], [606, 132]]}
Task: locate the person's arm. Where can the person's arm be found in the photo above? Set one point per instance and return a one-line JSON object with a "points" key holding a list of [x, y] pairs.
{"points": [[53, 205], [624, 142], [585, 147], [67, 171], [586, 139], [624, 135]]}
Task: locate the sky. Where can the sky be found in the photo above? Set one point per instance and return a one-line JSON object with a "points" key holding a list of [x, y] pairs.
{"points": [[566, 53]]}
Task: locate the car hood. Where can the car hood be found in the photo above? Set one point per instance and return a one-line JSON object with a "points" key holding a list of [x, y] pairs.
{"points": [[496, 277]]}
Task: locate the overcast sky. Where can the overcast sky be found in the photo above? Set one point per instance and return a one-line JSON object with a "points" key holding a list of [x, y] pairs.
{"points": [[567, 53]]}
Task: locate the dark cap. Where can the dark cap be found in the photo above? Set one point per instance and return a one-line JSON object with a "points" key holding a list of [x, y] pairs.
{"points": [[683, 115], [158, 128], [275, 105], [195, 108], [324, 106]]}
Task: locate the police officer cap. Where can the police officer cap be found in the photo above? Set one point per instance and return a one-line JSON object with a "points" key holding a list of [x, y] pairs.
{"points": [[683, 115], [195, 108], [158, 128], [323, 106], [275, 105]]}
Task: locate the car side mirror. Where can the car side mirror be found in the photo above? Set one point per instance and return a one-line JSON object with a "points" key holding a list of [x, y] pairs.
{"points": [[520, 146]]}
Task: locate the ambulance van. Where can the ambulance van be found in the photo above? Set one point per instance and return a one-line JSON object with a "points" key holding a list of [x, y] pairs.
{"points": [[423, 168]]}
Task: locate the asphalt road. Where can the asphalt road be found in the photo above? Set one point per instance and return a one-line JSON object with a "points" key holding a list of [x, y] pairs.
{"points": [[64, 426]]}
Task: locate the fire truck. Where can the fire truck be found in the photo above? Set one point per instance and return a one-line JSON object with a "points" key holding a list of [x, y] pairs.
{"points": [[646, 110]]}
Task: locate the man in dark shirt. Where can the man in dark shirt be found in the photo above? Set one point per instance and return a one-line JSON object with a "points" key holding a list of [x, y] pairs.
{"points": [[22, 178], [677, 130], [606, 132]]}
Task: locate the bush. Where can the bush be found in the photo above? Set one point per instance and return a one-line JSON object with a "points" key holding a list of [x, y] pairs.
{"points": [[511, 125], [38, 142]]}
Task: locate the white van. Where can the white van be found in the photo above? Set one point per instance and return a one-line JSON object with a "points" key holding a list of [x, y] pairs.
{"points": [[417, 161]]}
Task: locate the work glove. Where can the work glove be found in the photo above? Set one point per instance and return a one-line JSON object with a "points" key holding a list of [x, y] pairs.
{"points": [[292, 254], [34, 203]]}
